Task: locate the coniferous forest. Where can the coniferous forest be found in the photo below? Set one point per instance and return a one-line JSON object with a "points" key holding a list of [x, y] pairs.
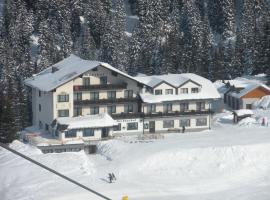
{"points": [[218, 39]]}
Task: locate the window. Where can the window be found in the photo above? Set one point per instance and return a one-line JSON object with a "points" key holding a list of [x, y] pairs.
{"points": [[117, 128], [200, 106], [77, 111], [87, 132], [95, 69], [128, 93], [194, 90], [201, 122], [103, 80], [184, 122], [248, 106], [158, 92], [39, 107], [63, 98], [71, 133], [86, 81], [94, 110], [169, 91], [111, 94], [132, 126], [78, 96], [111, 109], [39, 93], [168, 123], [184, 90], [46, 127], [152, 108], [94, 95], [63, 113], [128, 108], [184, 107], [167, 107]]}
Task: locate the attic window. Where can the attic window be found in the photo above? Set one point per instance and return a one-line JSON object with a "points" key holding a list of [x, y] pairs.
{"points": [[95, 69], [54, 69], [194, 90]]}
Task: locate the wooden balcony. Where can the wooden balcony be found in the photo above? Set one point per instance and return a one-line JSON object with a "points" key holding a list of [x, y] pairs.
{"points": [[159, 114], [106, 101], [100, 87]]}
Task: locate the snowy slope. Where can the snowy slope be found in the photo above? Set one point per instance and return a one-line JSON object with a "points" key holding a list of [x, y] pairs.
{"points": [[227, 163]]}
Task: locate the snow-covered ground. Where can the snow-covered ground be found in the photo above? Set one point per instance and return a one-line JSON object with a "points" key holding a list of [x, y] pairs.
{"points": [[231, 161]]}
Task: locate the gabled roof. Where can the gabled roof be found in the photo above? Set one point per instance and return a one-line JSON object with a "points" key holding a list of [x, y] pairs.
{"points": [[248, 88], [207, 91], [174, 80], [65, 71]]}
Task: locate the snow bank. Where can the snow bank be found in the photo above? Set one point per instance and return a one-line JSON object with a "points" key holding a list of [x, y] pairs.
{"points": [[248, 122]]}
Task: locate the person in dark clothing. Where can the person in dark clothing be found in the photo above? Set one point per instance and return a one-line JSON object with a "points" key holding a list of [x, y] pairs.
{"points": [[183, 129], [110, 177], [113, 176]]}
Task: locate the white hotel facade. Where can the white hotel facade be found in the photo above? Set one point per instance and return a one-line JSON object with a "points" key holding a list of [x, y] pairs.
{"points": [[78, 98]]}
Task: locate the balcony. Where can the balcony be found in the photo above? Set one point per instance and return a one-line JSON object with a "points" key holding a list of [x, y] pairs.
{"points": [[159, 114], [100, 87], [106, 101], [178, 113]]}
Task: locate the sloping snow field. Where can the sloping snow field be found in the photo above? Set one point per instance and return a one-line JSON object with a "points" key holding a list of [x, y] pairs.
{"points": [[226, 163]]}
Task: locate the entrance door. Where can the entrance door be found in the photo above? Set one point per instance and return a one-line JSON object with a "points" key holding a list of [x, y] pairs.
{"points": [[104, 132], [152, 127]]}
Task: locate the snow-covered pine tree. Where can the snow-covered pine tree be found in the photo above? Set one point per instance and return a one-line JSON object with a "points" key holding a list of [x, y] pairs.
{"points": [[114, 41], [248, 30]]}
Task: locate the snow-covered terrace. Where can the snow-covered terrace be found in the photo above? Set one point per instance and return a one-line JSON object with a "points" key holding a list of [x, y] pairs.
{"points": [[89, 121]]}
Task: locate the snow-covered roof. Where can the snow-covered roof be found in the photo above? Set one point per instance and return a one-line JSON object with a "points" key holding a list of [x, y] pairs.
{"points": [[89, 121], [242, 112], [207, 91], [248, 88], [64, 71], [221, 87], [175, 80]]}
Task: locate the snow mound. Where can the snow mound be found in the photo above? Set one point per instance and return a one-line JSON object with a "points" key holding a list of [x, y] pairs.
{"points": [[24, 149], [248, 122], [263, 103]]}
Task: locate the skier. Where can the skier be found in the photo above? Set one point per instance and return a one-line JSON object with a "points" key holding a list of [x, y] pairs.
{"points": [[183, 129], [113, 176], [110, 177]]}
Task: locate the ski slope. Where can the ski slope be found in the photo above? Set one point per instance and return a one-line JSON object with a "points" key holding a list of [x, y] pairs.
{"points": [[226, 163]]}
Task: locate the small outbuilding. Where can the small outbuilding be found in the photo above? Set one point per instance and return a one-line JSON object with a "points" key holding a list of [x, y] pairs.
{"points": [[241, 114]]}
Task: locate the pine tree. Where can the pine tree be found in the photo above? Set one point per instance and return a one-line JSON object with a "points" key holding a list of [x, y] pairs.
{"points": [[114, 41], [248, 30], [8, 125]]}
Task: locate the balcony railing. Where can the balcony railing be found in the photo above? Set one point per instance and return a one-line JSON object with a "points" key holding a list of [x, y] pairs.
{"points": [[100, 87], [106, 101], [178, 113], [158, 114]]}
